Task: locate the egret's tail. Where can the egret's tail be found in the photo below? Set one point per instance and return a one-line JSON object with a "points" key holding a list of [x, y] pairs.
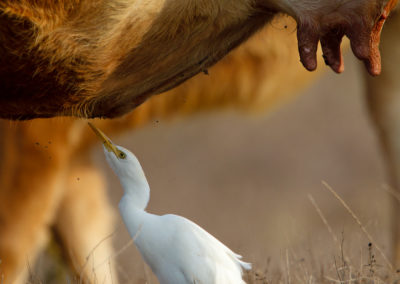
{"points": [[234, 275], [244, 265]]}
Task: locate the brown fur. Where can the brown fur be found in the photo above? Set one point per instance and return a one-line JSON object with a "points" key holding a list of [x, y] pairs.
{"points": [[39, 179], [98, 58]]}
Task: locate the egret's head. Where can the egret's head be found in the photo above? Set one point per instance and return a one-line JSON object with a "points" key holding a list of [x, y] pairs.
{"points": [[122, 161]]}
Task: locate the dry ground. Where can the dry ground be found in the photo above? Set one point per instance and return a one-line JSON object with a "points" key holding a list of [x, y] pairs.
{"points": [[247, 179]]}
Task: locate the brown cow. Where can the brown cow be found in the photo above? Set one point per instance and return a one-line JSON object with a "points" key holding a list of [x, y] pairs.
{"points": [[38, 186], [97, 58], [48, 198]]}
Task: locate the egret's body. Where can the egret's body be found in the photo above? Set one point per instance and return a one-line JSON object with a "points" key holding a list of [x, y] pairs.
{"points": [[177, 250]]}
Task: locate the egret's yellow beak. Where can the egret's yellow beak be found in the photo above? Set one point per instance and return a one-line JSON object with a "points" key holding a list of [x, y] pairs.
{"points": [[106, 141]]}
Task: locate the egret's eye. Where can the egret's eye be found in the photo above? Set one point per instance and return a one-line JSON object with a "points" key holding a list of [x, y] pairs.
{"points": [[121, 155]]}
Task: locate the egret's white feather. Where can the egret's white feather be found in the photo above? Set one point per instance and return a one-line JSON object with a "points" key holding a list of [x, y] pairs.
{"points": [[177, 250]]}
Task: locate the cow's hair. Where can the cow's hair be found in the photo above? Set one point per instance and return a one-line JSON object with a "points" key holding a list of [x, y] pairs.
{"points": [[89, 56], [99, 58]]}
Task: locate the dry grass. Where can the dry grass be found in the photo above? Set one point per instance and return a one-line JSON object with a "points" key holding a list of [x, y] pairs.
{"points": [[343, 264], [339, 267], [333, 269], [336, 268]]}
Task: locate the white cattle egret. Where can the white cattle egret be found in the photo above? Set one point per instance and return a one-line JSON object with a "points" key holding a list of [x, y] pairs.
{"points": [[177, 250]]}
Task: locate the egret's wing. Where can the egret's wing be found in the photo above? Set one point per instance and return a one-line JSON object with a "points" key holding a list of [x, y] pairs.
{"points": [[201, 257]]}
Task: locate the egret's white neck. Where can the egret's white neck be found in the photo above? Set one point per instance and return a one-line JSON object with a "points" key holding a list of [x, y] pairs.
{"points": [[134, 202], [136, 187]]}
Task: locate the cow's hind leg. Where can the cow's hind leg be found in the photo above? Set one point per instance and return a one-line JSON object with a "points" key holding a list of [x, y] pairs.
{"points": [[84, 224], [384, 102], [32, 169]]}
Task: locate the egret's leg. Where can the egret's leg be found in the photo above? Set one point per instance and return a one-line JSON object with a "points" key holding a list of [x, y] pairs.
{"points": [[32, 168], [384, 102], [84, 224]]}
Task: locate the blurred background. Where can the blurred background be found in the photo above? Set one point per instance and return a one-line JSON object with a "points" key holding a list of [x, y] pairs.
{"points": [[246, 179]]}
